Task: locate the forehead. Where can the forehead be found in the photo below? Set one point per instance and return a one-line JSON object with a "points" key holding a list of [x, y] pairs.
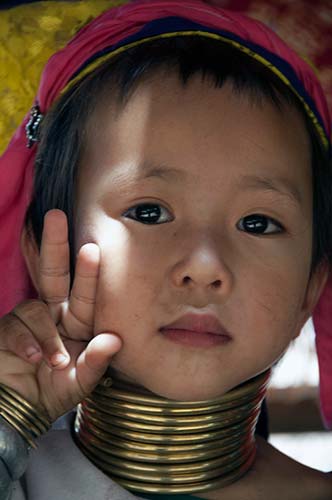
{"points": [[201, 130]]}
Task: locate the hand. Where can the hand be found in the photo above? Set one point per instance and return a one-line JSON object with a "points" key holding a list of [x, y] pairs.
{"points": [[48, 353]]}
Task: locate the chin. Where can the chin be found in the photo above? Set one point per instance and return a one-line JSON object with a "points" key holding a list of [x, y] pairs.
{"points": [[188, 391], [195, 388]]}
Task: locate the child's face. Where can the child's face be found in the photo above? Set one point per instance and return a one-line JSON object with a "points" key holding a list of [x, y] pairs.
{"points": [[233, 159]]}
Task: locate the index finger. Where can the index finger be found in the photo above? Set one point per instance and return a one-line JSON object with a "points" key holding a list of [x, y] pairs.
{"points": [[54, 271]]}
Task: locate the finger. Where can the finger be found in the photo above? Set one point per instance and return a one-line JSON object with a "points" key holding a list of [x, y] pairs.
{"points": [[34, 333], [95, 359], [16, 338], [78, 318], [54, 277]]}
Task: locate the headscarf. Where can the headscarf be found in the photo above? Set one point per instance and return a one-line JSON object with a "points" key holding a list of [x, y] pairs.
{"points": [[111, 33]]}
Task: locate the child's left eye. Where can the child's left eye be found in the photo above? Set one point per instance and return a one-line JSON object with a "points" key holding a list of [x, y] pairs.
{"points": [[259, 225], [149, 213]]}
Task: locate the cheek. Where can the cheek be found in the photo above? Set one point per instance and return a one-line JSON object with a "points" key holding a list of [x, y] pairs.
{"points": [[130, 279], [270, 304]]}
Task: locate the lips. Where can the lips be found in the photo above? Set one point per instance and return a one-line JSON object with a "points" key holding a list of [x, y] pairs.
{"points": [[200, 323]]}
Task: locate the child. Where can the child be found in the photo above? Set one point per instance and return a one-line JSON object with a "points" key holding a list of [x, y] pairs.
{"points": [[177, 238]]}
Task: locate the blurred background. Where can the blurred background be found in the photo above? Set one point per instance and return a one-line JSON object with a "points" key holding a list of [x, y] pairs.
{"points": [[30, 31]]}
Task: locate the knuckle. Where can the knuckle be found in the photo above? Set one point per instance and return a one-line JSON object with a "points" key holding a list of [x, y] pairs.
{"points": [[17, 333], [20, 337], [54, 272], [49, 344], [8, 323], [84, 299], [82, 322], [28, 305], [33, 310], [54, 299]]}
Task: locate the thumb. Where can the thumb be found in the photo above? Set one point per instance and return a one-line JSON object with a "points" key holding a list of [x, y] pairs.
{"points": [[94, 360]]}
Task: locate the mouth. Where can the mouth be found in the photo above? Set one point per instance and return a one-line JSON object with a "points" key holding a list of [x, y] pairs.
{"points": [[197, 330]]}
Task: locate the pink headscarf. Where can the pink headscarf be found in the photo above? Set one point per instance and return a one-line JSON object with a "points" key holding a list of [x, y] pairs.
{"points": [[122, 25]]}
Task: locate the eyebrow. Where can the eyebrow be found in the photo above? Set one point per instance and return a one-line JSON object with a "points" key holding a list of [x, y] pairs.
{"points": [[161, 171], [279, 185]]}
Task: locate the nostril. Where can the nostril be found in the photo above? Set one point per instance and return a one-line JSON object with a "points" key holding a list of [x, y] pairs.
{"points": [[216, 284]]}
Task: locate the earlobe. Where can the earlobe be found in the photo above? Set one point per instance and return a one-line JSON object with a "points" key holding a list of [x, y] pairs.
{"points": [[314, 290], [30, 253], [316, 285]]}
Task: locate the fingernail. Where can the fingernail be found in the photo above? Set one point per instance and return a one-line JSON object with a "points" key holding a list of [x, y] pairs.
{"points": [[32, 351], [58, 358]]}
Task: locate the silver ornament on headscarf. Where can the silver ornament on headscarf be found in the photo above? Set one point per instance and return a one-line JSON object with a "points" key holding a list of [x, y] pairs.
{"points": [[32, 127]]}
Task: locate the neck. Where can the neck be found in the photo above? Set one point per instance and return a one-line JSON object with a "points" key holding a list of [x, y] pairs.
{"points": [[150, 444]]}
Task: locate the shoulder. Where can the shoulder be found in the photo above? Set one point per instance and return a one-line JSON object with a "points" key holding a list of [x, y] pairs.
{"points": [[274, 476], [282, 476]]}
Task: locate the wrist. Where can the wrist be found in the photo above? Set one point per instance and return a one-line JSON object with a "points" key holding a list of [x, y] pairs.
{"points": [[29, 422]]}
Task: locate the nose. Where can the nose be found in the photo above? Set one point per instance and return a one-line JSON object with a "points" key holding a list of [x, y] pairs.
{"points": [[203, 267]]}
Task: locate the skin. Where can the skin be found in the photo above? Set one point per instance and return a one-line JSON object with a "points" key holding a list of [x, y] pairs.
{"points": [[132, 278], [198, 260]]}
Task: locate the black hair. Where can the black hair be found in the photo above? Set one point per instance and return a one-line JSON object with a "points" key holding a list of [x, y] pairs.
{"points": [[64, 127]]}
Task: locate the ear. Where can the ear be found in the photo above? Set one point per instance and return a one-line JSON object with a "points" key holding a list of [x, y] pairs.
{"points": [[314, 290], [30, 253]]}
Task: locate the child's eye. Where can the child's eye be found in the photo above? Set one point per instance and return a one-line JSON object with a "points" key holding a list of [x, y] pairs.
{"points": [[149, 213], [259, 224]]}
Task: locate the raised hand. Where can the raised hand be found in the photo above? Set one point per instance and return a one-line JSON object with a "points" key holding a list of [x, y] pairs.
{"points": [[48, 353]]}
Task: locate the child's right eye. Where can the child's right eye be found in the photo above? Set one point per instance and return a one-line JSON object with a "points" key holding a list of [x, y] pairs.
{"points": [[149, 213]]}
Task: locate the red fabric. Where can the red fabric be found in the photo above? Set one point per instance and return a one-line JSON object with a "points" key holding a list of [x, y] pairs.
{"points": [[322, 319], [16, 164]]}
